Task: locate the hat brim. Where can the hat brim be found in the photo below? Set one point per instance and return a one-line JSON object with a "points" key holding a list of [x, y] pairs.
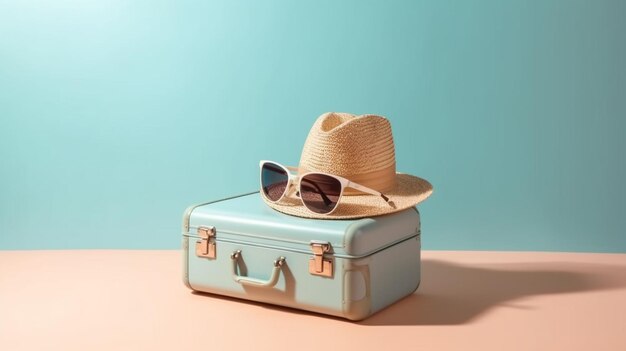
{"points": [[408, 192]]}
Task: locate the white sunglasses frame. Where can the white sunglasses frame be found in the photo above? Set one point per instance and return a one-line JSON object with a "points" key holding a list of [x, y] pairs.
{"points": [[295, 179]]}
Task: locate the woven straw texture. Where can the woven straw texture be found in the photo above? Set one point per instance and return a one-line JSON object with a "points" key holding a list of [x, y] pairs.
{"points": [[361, 149]]}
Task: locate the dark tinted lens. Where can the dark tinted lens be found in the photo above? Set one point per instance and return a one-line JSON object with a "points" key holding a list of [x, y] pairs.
{"points": [[273, 181], [320, 192]]}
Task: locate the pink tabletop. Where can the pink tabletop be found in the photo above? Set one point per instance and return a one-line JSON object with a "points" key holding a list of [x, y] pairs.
{"points": [[135, 300]]}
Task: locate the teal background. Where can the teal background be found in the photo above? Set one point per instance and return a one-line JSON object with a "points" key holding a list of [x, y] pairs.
{"points": [[116, 115]]}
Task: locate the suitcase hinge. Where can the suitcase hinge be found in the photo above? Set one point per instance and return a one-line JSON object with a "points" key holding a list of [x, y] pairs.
{"points": [[318, 265], [205, 247]]}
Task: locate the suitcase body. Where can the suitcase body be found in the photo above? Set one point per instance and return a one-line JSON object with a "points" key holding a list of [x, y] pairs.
{"points": [[240, 247]]}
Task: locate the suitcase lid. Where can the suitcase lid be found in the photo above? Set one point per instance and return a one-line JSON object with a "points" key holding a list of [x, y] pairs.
{"points": [[247, 219]]}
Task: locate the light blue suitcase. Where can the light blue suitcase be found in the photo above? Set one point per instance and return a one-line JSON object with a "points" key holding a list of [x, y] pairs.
{"points": [[240, 247]]}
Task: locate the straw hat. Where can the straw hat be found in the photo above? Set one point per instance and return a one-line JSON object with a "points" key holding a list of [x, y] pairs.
{"points": [[361, 149]]}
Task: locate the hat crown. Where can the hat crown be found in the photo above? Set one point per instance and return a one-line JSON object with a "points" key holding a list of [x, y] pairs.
{"points": [[359, 148]]}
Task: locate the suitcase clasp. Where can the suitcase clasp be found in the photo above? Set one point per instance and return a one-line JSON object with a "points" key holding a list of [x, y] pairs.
{"points": [[318, 265], [205, 247]]}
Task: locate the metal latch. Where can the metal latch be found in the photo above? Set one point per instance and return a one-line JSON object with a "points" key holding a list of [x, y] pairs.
{"points": [[205, 247], [319, 265]]}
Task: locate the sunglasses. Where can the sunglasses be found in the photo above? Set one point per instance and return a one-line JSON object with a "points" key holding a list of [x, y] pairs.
{"points": [[319, 192]]}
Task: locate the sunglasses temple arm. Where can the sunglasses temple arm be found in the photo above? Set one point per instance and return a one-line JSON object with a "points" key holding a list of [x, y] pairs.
{"points": [[365, 189]]}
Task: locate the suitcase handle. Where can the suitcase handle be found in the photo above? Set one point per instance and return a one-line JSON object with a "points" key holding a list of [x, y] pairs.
{"points": [[254, 281]]}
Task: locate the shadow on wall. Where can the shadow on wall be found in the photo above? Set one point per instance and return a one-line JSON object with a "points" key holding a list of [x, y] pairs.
{"points": [[455, 294]]}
